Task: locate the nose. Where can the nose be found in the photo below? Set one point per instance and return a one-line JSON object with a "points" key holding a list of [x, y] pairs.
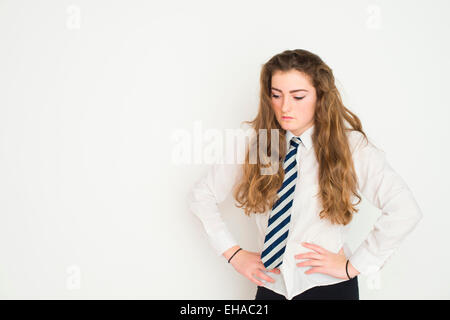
{"points": [[285, 106]]}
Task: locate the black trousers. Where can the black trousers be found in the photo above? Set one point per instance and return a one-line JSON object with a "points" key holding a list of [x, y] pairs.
{"points": [[345, 290]]}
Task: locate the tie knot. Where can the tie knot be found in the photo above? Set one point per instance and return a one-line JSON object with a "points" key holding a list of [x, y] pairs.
{"points": [[295, 141]]}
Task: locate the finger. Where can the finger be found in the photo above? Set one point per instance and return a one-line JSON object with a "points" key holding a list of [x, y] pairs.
{"points": [[276, 270], [254, 280], [309, 255], [262, 266], [310, 263], [264, 276], [315, 270], [259, 283], [314, 247]]}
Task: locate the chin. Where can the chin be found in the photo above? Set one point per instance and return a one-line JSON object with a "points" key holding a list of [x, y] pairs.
{"points": [[289, 126]]}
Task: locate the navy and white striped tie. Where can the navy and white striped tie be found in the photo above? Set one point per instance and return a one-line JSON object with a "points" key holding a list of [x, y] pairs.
{"points": [[280, 216]]}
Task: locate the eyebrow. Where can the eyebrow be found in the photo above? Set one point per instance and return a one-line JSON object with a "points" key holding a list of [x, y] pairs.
{"points": [[292, 91]]}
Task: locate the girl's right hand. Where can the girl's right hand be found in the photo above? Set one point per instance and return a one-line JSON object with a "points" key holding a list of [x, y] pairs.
{"points": [[249, 264]]}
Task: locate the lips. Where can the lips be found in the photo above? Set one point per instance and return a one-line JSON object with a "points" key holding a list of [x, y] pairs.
{"points": [[286, 117]]}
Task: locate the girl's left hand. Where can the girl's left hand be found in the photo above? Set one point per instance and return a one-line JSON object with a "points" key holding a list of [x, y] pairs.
{"points": [[324, 261]]}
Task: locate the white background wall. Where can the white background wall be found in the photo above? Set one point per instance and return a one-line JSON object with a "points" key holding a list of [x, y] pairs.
{"points": [[92, 204]]}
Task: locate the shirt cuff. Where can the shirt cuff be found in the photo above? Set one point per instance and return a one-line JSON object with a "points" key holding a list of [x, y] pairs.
{"points": [[222, 241], [365, 262]]}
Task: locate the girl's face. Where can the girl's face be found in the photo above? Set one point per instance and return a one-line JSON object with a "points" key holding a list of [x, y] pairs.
{"points": [[293, 100]]}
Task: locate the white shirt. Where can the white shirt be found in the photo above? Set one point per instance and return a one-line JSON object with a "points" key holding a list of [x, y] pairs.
{"points": [[378, 182]]}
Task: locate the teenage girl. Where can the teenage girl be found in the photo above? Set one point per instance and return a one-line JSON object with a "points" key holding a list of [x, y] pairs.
{"points": [[304, 208]]}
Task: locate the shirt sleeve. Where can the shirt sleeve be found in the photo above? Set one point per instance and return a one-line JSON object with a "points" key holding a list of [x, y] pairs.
{"points": [[385, 189], [203, 199]]}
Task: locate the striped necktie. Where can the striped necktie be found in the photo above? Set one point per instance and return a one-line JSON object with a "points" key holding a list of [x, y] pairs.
{"points": [[280, 216]]}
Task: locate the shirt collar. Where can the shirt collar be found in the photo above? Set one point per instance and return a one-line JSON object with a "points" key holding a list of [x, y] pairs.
{"points": [[306, 137]]}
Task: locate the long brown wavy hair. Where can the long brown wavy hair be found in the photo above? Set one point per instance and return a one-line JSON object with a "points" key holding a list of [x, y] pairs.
{"points": [[256, 192]]}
